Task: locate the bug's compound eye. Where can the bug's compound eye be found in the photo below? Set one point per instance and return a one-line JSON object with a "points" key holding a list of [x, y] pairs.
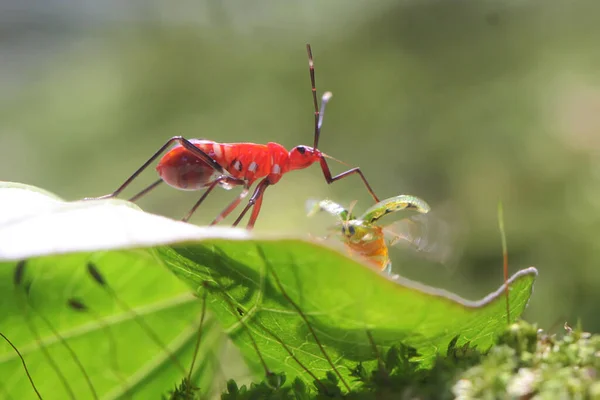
{"points": [[301, 157], [348, 231]]}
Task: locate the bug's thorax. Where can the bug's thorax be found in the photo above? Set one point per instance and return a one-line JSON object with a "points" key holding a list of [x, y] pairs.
{"points": [[249, 161], [357, 231]]}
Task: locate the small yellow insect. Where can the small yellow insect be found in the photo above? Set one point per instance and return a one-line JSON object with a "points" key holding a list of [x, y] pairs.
{"points": [[363, 237]]}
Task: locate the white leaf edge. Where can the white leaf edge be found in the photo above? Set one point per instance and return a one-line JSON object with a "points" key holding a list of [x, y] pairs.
{"points": [[34, 223]]}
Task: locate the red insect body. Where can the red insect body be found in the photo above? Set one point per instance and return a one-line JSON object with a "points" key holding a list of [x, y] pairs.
{"points": [[195, 164], [245, 161]]}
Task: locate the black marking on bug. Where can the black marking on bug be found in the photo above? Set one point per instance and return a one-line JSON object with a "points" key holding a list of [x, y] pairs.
{"points": [[236, 164], [301, 149]]}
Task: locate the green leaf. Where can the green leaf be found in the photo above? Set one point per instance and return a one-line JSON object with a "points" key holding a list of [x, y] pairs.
{"points": [[304, 306], [117, 353], [341, 299]]}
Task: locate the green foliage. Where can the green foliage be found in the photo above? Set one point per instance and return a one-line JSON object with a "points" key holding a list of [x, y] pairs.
{"points": [[184, 391], [461, 103], [397, 376], [554, 368], [289, 305], [273, 297], [528, 362], [271, 388]]}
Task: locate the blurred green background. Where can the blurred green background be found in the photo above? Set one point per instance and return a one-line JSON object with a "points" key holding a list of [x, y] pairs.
{"points": [[463, 103]]}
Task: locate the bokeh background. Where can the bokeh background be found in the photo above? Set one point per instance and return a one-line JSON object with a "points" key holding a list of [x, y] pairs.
{"points": [[463, 103]]}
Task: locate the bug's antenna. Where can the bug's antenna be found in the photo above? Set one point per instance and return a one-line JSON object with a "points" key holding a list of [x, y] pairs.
{"points": [[324, 100], [318, 120], [349, 216], [350, 209]]}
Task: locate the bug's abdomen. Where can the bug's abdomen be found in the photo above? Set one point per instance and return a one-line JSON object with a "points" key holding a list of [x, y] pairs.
{"points": [[182, 170], [375, 251]]}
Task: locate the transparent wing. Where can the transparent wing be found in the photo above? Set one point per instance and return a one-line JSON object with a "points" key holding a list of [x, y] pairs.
{"points": [[335, 209], [426, 234]]}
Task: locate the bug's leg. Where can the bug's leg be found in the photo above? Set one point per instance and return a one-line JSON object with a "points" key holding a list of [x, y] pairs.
{"points": [[211, 186], [256, 201], [143, 192], [231, 206], [330, 179], [204, 195], [255, 212], [176, 139]]}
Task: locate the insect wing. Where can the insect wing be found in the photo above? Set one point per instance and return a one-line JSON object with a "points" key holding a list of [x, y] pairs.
{"points": [[335, 209], [427, 235], [404, 203]]}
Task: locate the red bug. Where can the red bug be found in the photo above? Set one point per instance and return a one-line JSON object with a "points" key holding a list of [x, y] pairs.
{"points": [[196, 164]]}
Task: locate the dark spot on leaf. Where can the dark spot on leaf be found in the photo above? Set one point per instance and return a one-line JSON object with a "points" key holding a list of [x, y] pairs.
{"points": [[19, 272], [93, 271], [76, 304]]}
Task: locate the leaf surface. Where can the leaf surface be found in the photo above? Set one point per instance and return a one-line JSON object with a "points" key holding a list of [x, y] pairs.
{"points": [[305, 307]]}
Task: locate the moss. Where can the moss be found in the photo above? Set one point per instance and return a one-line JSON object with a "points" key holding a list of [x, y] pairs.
{"points": [[525, 363]]}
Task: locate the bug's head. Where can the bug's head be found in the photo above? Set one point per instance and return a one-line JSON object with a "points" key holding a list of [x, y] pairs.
{"points": [[303, 156], [348, 230], [355, 230]]}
